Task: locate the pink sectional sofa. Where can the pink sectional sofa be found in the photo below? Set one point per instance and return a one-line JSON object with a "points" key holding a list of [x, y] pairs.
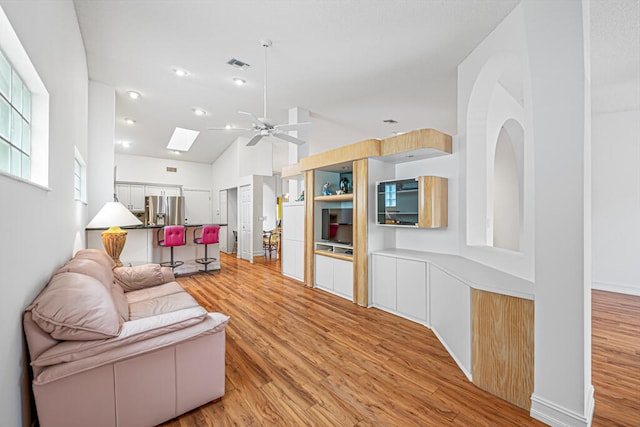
{"points": [[121, 347]]}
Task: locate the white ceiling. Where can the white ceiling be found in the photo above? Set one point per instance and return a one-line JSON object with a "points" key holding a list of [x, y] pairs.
{"points": [[352, 64]]}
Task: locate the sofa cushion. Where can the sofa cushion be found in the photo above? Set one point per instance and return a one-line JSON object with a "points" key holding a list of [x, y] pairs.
{"points": [[90, 267], [96, 255], [154, 292], [75, 306], [161, 305], [120, 301], [142, 276]]}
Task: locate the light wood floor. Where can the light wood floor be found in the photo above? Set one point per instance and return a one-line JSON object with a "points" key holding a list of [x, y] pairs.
{"points": [[299, 356]]}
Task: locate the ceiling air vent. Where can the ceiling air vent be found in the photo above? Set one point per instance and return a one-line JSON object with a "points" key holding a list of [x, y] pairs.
{"points": [[238, 64], [170, 169], [390, 121]]}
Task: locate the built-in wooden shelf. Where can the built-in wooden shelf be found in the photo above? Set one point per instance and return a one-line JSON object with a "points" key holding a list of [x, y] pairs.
{"points": [[334, 198], [334, 255]]}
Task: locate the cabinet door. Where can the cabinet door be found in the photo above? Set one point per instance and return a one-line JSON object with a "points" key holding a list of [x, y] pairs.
{"points": [[150, 190], [343, 277], [411, 288], [384, 281], [137, 197], [288, 257], [324, 272], [171, 191], [123, 194]]}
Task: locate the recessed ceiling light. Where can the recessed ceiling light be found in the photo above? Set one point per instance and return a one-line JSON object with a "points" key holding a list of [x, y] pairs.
{"points": [[199, 112], [182, 139], [180, 73], [133, 94], [129, 121], [227, 127], [125, 144], [239, 81]]}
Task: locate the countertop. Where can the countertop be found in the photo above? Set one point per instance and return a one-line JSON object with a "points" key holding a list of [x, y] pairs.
{"points": [[145, 227]]}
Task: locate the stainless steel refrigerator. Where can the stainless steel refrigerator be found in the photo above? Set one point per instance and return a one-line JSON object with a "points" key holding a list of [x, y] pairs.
{"points": [[164, 210]]}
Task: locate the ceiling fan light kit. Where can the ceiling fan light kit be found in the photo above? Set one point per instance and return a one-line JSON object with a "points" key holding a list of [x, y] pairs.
{"points": [[262, 125]]}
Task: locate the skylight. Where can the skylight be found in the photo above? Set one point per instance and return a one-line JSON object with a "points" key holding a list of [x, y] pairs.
{"points": [[182, 139]]}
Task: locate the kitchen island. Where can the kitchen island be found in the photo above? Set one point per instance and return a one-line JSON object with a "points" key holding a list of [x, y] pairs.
{"points": [[142, 248]]}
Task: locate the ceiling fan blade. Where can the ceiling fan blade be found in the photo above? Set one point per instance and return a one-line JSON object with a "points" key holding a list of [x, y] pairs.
{"points": [[287, 137], [291, 126], [231, 129], [254, 140], [254, 119]]}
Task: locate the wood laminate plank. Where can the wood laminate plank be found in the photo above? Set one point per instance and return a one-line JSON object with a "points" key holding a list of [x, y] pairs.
{"points": [[300, 356]]}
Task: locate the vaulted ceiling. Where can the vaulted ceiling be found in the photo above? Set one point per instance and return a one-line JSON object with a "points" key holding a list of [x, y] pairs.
{"points": [[352, 64]]}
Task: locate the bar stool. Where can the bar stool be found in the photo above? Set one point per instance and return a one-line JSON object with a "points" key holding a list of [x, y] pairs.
{"points": [[172, 235], [208, 236]]}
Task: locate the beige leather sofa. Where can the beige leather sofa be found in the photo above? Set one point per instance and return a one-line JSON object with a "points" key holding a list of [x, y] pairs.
{"points": [[121, 347]]}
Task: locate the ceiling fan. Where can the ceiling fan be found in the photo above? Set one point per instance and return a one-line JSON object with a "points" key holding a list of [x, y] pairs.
{"points": [[262, 125]]}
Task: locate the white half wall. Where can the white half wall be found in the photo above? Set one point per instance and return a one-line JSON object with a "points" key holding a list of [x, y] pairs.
{"points": [[154, 170], [616, 201], [41, 227]]}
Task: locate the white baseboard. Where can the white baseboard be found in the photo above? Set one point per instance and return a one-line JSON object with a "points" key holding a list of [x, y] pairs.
{"points": [[453, 355], [557, 416], [616, 287]]}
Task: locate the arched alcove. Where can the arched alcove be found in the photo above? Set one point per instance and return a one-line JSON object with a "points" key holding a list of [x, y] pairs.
{"points": [[506, 195]]}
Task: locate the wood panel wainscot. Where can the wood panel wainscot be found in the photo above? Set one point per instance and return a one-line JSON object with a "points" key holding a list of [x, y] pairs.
{"points": [[502, 347]]}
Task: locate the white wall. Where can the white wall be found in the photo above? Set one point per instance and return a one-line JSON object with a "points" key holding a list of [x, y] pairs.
{"points": [[444, 240], [40, 227], [616, 201], [102, 105], [153, 170]]}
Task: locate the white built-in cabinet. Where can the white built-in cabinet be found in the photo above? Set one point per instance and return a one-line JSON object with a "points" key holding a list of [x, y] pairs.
{"points": [[334, 275], [153, 190], [400, 286], [131, 195], [293, 240]]}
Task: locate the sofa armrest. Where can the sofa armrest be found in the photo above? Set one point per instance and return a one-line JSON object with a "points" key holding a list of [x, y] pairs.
{"points": [[142, 276]]}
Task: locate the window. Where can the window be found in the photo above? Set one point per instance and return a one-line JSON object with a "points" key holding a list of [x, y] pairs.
{"points": [[390, 199], [79, 178], [15, 122]]}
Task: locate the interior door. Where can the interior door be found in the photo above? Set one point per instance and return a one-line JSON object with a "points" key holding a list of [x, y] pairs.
{"points": [[223, 207], [246, 228]]}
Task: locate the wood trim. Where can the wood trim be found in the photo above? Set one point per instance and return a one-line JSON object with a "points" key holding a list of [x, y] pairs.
{"points": [[334, 198], [416, 140], [360, 240], [502, 347], [433, 203], [334, 255], [309, 206], [290, 171], [359, 150]]}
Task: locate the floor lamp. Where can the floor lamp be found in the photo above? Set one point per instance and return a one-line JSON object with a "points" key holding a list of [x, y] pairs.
{"points": [[114, 215]]}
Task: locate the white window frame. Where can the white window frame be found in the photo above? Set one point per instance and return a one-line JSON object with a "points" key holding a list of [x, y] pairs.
{"points": [[79, 177], [19, 59]]}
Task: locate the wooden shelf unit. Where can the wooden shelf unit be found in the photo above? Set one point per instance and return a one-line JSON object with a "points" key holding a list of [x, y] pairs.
{"points": [[334, 198]]}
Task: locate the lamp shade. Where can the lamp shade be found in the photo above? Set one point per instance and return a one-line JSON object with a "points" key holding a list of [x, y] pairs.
{"points": [[113, 214]]}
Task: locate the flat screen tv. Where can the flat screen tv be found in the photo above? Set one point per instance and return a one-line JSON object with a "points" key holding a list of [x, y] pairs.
{"points": [[337, 225]]}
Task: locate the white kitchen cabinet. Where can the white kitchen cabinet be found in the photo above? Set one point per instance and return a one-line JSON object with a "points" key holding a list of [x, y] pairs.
{"points": [[334, 275], [451, 315], [400, 286], [411, 288], [293, 240], [131, 195], [154, 190], [384, 282]]}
